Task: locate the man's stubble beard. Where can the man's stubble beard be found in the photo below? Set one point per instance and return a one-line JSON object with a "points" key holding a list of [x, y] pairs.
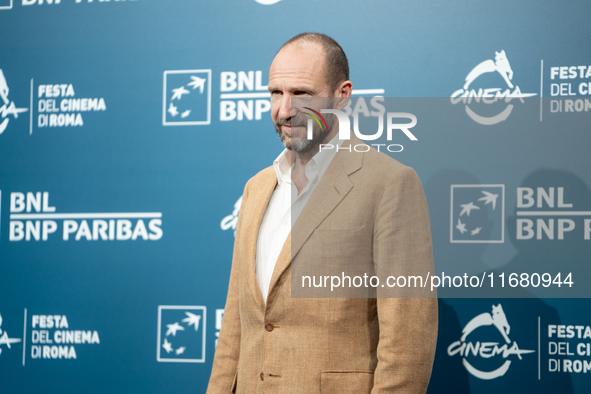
{"points": [[304, 144]]}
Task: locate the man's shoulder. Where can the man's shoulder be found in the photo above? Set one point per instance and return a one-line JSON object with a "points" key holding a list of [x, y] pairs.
{"points": [[263, 177], [373, 157], [376, 160], [384, 166]]}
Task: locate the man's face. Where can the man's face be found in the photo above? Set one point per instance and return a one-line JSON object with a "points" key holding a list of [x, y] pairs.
{"points": [[298, 71]]}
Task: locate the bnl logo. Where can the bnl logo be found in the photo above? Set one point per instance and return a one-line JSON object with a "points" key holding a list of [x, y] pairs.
{"points": [[186, 98], [181, 334], [477, 214]]}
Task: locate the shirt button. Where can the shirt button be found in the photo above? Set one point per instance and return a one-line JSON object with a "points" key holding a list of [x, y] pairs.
{"points": [[262, 376], [269, 327]]}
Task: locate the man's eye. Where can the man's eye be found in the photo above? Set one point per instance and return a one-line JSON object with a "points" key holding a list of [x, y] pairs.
{"points": [[300, 93], [275, 92]]}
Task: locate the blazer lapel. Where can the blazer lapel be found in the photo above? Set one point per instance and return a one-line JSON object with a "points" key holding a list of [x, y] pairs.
{"points": [[329, 192], [258, 199]]}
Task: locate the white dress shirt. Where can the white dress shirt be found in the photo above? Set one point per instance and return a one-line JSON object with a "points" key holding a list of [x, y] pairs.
{"points": [[284, 209]]}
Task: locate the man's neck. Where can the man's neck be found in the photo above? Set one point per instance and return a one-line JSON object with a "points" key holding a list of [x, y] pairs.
{"points": [[301, 159]]}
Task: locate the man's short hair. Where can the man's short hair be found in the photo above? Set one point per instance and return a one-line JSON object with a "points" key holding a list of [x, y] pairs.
{"points": [[336, 68]]}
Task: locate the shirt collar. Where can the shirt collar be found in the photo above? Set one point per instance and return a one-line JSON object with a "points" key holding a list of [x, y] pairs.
{"points": [[282, 168], [320, 160]]}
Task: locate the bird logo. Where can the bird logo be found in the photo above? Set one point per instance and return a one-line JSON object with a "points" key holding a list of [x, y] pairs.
{"points": [[197, 83], [181, 335], [187, 97], [476, 211]]}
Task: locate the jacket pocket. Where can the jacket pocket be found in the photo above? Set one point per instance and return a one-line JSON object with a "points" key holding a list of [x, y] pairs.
{"points": [[235, 382], [346, 382]]}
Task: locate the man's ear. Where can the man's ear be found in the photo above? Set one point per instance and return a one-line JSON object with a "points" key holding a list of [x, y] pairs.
{"points": [[342, 94]]}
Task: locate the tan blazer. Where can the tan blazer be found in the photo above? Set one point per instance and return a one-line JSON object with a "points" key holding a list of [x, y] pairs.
{"points": [[374, 208]]}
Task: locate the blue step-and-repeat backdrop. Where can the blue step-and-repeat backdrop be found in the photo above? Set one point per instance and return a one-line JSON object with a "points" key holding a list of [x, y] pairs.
{"points": [[128, 130]]}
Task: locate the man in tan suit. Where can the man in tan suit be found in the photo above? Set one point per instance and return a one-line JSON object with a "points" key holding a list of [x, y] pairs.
{"points": [[360, 208]]}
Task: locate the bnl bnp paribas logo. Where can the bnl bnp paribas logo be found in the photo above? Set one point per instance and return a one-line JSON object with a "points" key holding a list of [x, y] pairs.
{"points": [[9, 111], [491, 358], [477, 214], [181, 334], [187, 97], [33, 218], [488, 97]]}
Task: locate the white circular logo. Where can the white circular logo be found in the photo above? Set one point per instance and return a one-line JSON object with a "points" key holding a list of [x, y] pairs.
{"points": [[487, 350], [466, 95]]}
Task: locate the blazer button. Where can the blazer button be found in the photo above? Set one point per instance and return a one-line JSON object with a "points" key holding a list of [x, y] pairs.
{"points": [[269, 327], [262, 376]]}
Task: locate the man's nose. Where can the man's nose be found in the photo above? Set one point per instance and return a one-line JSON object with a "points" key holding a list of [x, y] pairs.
{"points": [[285, 110]]}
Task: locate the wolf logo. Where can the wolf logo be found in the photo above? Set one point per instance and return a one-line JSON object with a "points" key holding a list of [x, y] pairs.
{"points": [[487, 349], [490, 95], [5, 339], [8, 107], [500, 65], [496, 318]]}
